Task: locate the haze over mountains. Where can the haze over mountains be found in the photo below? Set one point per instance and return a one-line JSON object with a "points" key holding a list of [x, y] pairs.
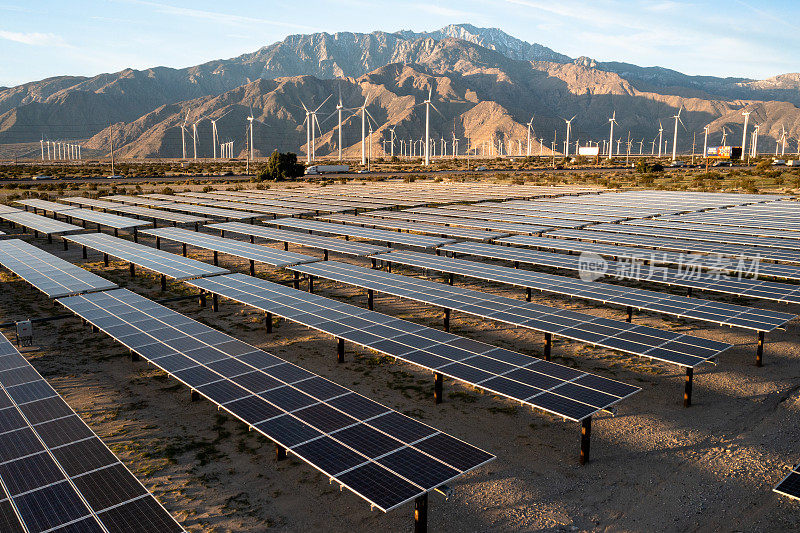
{"points": [[486, 85]]}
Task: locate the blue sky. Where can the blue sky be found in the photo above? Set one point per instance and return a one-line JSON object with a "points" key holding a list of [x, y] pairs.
{"points": [[43, 38]]}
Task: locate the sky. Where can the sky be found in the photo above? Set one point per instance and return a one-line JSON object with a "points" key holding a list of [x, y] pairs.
{"points": [[740, 38]]}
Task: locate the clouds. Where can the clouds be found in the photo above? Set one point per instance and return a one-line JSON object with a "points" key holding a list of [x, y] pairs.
{"points": [[33, 38]]}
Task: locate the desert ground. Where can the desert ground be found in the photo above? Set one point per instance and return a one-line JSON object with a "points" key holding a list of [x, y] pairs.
{"points": [[655, 465]]}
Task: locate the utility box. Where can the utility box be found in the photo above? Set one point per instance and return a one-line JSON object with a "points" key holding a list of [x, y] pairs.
{"points": [[24, 333]]}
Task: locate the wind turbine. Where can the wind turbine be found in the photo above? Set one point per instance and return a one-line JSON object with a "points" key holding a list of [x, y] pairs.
{"points": [[569, 129], [755, 140], [530, 125], [428, 106], [612, 120], [675, 134], [364, 115], [783, 140], [194, 137], [746, 115], [724, 136], [215, 134], [315, 122], [391, 131], [660, 137], [183, 134], [250, 119], [705, 141]]}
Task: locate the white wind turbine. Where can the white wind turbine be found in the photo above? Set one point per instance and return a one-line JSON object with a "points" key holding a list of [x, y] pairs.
{"points": [[612, 121], [364, 114], [755, 140], [783, 140], [724, 136], [215, 135], [250, 152], [746, 115], [391, 131], [660, 137], [183, 134], [194, 137], [315, 123], [675, 134], [569, 129], [530, 126], [705, 141], [428, 105]]}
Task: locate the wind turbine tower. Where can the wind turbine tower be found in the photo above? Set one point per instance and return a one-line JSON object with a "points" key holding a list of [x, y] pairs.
{"points": [[746, 115], [569, 129], [530, 126], [675, 134], [612, 121], [660, 137], [705, 141]]}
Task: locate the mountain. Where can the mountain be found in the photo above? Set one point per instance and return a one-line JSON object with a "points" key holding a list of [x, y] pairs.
{"points": [[486, 83]]}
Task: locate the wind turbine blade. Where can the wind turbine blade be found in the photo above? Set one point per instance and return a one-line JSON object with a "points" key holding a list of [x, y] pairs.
{"points": [[323, 103], [301, 103], [434, 108], [573, 118]]}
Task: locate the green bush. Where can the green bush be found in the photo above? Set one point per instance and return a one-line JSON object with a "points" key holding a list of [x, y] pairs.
{"points": [[281, 167], [643, 167]]}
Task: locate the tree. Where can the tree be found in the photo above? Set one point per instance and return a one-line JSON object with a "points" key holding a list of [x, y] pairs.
{"points": [[281, 167]]}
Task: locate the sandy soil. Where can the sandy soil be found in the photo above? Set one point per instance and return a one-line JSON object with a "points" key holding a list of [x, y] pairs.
{"points": [[655, 465]]}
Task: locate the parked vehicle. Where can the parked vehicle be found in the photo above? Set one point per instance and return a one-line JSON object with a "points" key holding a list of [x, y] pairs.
{"points": [[327, 169]]}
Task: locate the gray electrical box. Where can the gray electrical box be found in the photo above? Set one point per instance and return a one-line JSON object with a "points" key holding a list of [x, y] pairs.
{"points": [[24, 333]]}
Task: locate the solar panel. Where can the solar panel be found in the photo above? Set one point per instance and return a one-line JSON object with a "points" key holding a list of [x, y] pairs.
{"points": [[494, 207], [136, 200], [381, 455], [8, 209], [45, 205], [267, 206], [227, 214], [392, 237], [104, 219], [685, 351], [717, 262], [526, 379], [705, 228], [502, 217], [55, 473], [569, 324], [300, 198], [667, 243], [38, 223], [88, 202], [790, 485], [491, 225], [275, 205], [358, 249], [48, 273], [694, 235], [417, 227], [699, 309], [253, 252], [165, 263]]}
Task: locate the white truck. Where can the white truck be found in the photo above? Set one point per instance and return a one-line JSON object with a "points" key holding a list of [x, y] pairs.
{"points": [[326, 169], [793, 163]]}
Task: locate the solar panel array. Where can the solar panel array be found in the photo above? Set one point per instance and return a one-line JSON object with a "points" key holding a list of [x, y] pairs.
{"points": [[253, 252], [55, 473], [270, 205], [104, 219], [490, 225], [358, 249], [502, 217], [713, 262], [48, 273], [136, 200], [694, 235], [394, 237], [494, 207], [554, 388], [666, 243], [45, 205], [88, 202], [166, 263], [116, 207], [417, 227], [691, 278], [39, 223], [685, 351], [706, 228], [790, 485], [381, 455], [614, 334], [310, 207]]}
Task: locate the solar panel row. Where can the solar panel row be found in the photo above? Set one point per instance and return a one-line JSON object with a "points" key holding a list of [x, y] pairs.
{"points": [[417, 227], [48, 273], [392, 237], [55, 473], [563, 391], [382, 456]]}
